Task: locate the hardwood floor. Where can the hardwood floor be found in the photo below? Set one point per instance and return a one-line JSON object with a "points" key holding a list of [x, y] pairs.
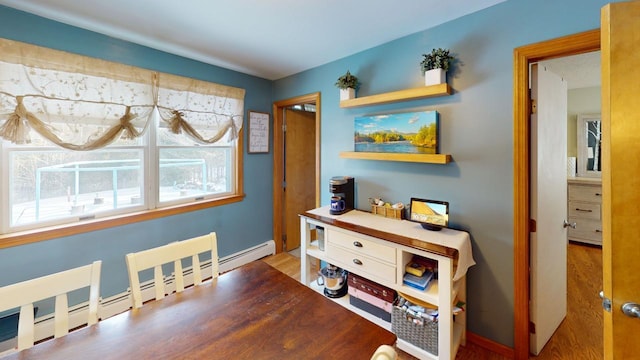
{"points": [[580, 334], [578, 337]]}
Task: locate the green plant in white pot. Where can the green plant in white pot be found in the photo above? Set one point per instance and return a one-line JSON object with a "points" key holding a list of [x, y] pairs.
{"points": [[435, 65], [347, 84]]}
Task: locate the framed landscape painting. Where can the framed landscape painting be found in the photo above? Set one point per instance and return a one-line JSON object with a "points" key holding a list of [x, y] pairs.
{"points": [[411, 133]]}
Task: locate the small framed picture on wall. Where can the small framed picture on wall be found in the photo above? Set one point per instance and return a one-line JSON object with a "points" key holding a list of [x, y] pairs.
{"points": [[258, 134]]}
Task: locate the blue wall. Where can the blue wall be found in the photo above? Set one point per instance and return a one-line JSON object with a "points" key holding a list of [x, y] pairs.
{"points": [[476, 127], [110, 245]]}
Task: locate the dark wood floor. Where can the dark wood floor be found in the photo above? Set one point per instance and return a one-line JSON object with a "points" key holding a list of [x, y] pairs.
{"points": [[578, 337]]}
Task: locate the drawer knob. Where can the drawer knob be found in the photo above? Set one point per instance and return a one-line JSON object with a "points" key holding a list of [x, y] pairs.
{"points": [[357, 262], [357, 244], [598, 194], [584, 210]]}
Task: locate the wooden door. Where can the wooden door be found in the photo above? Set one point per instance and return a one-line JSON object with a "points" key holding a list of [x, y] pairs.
{"points": [[620, 42], [299, 171], [548, 205]]}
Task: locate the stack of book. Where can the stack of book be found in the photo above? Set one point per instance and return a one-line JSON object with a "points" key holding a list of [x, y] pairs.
{"points": [[419, 272]]}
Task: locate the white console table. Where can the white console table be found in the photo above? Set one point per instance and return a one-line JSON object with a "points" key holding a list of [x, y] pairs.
{"points": [[378, 249]]}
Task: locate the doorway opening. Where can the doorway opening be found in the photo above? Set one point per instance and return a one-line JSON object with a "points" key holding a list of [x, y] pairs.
{"points": [[523, 57], [566, 276], [296, 165]]}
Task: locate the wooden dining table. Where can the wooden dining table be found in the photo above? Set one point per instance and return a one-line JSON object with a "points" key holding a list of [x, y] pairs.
{"points": [[252, 312]]}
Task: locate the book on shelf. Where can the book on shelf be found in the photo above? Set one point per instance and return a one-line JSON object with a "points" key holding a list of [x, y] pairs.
{"points": [[418, 282], [428, 264], [415, 268]]}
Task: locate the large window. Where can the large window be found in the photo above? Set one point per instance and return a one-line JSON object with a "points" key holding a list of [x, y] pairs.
{"points": [[87, 139]]}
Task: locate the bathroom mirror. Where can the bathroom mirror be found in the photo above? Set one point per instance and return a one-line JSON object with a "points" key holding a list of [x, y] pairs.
{"points": [[589, 148]]}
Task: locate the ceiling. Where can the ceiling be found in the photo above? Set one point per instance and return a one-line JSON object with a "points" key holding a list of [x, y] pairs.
{"points": [[580, 71], [270, 39]]}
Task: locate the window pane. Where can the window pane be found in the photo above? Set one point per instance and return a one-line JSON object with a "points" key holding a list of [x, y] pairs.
{"points": [[51, 185], [194, 172]]}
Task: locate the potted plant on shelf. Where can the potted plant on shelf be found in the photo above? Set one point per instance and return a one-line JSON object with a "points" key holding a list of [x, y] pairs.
{"points": [[435, 66], [347, 84]]}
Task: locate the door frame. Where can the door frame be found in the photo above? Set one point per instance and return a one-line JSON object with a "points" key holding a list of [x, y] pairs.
{"points": [[278, 159], [575, 44]]}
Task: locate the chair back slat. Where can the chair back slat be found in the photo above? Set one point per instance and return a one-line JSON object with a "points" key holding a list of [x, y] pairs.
{"points": [[158, 282], [25, 293], [62, 315], [26, 332], [178, 275], [197, 273], [171, 253]]}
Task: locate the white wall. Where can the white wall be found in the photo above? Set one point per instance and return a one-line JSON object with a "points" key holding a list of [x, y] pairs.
{"points": [[580, 101]]}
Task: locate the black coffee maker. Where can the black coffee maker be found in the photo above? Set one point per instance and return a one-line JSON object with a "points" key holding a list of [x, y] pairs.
{"points": [[342, 194]]}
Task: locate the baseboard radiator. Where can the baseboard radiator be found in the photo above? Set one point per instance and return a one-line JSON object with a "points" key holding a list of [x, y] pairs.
{"points": [[44, 326]]}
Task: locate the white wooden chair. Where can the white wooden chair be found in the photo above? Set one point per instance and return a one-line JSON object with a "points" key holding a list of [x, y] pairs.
{"points": [[385, 352], [24, 294], [173, 252]]}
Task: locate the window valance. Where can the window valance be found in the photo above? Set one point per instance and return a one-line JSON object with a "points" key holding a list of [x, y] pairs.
{"points": [[83, 103]]}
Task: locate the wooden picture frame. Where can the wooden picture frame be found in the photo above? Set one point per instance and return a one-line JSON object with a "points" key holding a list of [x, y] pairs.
{"points": [[258, 132]]}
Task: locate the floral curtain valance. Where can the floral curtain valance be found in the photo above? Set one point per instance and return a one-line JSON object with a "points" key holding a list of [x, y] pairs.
{"points": [[203, 112], [82, 103]]}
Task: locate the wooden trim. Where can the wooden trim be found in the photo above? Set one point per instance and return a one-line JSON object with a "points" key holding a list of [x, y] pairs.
{"points": [[318, 146], [523, 56], [490, 345], [52, 232], [42, 234], [278, 158], [240, 165]]}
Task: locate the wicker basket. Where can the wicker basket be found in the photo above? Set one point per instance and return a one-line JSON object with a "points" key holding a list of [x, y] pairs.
{"points": [[387, 212], [424, 336]]}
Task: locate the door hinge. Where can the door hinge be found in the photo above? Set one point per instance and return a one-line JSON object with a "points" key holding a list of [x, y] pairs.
{"points": [[284, 127], [606, 302], [532, 327], [284, 242], [533, 106], [532, 225]]}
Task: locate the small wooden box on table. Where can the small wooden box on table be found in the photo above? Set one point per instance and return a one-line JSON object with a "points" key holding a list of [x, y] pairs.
{"points": [[378, 248], [387, 212]]}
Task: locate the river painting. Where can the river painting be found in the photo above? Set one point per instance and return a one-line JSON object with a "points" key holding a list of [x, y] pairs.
{"points": [[411, 132]]}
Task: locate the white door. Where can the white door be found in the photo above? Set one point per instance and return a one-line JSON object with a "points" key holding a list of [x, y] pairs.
{"points": [[548, 252]]}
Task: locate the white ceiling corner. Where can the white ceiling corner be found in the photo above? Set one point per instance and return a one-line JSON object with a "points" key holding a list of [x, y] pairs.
{"points": [[269, 39], [580, 71]]}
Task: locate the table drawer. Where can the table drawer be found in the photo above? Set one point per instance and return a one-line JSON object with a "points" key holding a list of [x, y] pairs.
{"points": [[592, 193], [586, 229], [584, 210], [361, 245], [361, 264]]}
